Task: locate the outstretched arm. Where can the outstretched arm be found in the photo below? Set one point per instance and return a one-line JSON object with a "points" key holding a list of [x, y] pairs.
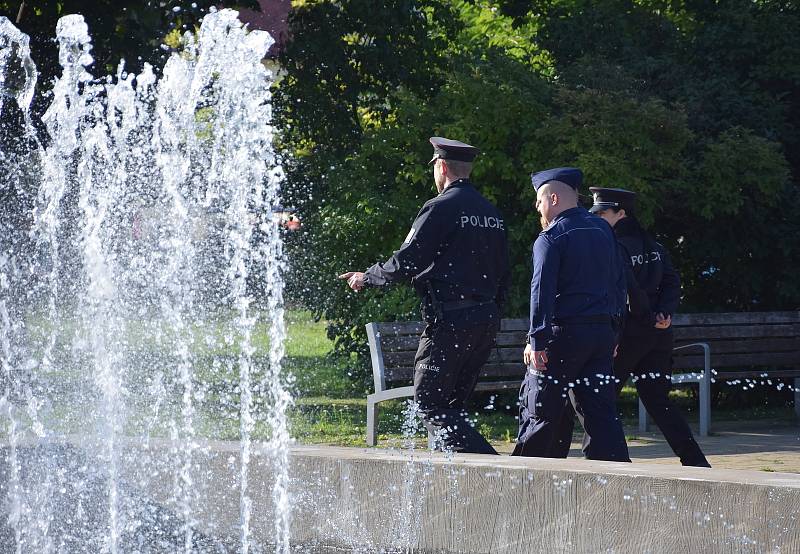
{"points": [[417, 252]]}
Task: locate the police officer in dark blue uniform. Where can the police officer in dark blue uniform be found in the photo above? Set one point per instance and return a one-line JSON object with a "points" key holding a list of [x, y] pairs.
{"points": [[645, 351], [456, 257], [577, 296]]}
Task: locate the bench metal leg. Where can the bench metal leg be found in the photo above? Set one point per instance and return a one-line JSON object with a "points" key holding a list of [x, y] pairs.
{"points": [[797, 396], [642, 417], [372, 419], [705, 406], [372, 408]]}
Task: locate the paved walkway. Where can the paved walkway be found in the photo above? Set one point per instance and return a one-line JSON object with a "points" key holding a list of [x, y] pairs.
{"points": [[755, 445]]}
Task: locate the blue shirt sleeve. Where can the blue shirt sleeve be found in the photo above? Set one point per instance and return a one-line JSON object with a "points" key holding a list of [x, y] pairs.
{"points": [[546, 262]]}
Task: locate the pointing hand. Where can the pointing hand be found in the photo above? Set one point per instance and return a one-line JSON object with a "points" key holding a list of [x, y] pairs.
{"points": [[355, 279]]}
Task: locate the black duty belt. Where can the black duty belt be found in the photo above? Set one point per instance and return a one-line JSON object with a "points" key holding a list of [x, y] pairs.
{"points": [[582, 319], [461, 304]]}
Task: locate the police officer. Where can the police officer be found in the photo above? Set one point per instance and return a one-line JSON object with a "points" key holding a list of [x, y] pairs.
{"points": [[645, 351], [577, 295], [456, 257]]}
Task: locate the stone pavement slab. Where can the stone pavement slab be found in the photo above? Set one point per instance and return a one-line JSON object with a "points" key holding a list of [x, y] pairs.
{"points": [[752, 445]]}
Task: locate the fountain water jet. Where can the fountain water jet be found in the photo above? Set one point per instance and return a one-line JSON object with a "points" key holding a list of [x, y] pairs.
{"points": [[151, 226]]}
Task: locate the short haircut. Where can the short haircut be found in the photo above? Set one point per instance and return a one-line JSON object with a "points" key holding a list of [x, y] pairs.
{"points": [[458, 169], [563, 190]]}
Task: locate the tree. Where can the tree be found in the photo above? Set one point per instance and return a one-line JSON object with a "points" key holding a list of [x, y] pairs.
{"points": [[691, 104], [132, 30]]}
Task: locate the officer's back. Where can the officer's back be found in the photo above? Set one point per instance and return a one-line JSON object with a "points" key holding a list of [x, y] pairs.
{"points": [[472, 253], [651, 266], [589, 267]]}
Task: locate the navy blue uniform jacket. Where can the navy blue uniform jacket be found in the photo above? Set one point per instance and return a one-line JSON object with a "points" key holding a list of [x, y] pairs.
{"points": [[577, 272]]}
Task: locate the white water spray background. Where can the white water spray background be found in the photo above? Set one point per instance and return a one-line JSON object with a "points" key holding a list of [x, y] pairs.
{"points": [[157, 286]]}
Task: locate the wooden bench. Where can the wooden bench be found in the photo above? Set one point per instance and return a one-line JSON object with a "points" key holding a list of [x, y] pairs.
{"points": [[759, 344], [393, 347]]}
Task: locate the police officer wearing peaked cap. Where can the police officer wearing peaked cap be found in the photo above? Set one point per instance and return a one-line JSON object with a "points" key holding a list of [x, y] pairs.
{"points": [[456, 257], [645, 349], [577, 294]]}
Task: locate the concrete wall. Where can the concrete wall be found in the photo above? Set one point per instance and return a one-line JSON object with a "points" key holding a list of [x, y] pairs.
{"points": [[378, 500], [504, 504]]}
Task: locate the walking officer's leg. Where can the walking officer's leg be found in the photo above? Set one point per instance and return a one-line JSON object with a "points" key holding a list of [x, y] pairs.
{"points": [[629, 354], [438, 367], [477, 342], [542, 403], [543, 398], [653, 382], [434, 381], [595, 390], [562, 436]]}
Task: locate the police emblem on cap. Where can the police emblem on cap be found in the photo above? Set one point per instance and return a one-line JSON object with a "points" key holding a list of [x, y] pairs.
{"points": [[605, 198], [448, 149], [571, 176]]}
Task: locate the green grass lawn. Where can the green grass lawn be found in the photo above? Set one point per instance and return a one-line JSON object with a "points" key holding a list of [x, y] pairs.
{"points": [[329, 392]]}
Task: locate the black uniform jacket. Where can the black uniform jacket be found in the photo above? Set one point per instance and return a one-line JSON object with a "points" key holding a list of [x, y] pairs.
{"points": [[457, 248], [656, 286]]}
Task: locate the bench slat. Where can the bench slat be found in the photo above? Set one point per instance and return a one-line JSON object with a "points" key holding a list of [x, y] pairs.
{"points": [[394, 374], [405, 343], [735, 318], [700, 334], [679, 320], [786, 348], [409, 343], [750, 346], [515, 325], [511, 358], [393, 343], [758, 375], [512, 367], [737, 360], [400, 328], [498, 385], [406, 358]]}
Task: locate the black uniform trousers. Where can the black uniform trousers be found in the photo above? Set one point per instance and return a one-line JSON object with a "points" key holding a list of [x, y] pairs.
{"points": [[447, 365], [579, 363], [648, 359]]}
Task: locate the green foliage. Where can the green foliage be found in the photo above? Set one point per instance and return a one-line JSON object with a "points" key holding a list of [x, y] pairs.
{"points": [[739, 168], [694, 106], [133, 30], [620, 141]]}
